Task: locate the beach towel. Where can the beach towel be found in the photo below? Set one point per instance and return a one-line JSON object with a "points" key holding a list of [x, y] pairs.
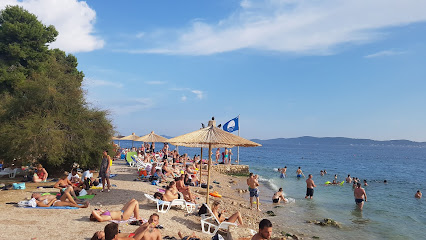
{"points": [[128, 220], [85, 197], [52, 207], [112, 175]]}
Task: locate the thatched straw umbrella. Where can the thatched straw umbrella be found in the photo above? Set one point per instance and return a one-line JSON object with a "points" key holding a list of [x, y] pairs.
{"points": [[119, 137], [211, 137], [132, 137], [152, 137]]}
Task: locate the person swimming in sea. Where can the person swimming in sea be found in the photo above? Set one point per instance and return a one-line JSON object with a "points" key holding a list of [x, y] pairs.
{"points": [[299, 173], [418, 194]]}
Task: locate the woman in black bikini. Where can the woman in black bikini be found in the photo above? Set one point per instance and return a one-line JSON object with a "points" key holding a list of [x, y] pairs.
{"points": [[219, 215]]}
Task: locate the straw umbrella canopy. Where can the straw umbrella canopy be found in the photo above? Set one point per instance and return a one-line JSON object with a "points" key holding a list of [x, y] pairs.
{"points": [[211, 137], [132, 137], [117, 138], [152, 137]]}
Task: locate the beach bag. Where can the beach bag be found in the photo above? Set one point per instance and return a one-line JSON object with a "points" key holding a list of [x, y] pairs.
{"points": [[82, 192], [203, 210], [30, 203], [18, 186]]}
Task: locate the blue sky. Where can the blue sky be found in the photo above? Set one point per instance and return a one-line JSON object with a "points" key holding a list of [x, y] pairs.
{"points": [[289, 68]]}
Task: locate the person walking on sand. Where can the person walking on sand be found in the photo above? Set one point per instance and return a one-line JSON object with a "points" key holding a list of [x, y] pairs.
{"points": [[299, 173], [360, 196], [105, 171], [254, 191], [265, 230], [310, 187]]}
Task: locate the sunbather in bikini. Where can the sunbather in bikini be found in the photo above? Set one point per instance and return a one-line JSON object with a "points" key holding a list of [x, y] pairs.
{"points": [[64, 184], [65, 200], [189, 197], [219, 215], [130, 208]]}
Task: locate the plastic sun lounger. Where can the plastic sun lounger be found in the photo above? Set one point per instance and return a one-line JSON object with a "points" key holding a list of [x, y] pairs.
{"points": [[8, 171], [210, 224], [164, 206], [129, 158]]}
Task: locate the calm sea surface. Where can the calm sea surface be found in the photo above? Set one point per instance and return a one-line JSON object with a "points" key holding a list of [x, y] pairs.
{"points": [[391, 212]]}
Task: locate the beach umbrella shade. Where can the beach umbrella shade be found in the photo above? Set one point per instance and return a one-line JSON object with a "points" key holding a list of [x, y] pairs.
{"points": [[152, 137], [119, 137], [211, 137], [132, 137]]}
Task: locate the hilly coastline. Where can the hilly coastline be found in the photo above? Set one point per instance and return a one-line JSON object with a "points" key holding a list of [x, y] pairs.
{"points": [[308, 140]]}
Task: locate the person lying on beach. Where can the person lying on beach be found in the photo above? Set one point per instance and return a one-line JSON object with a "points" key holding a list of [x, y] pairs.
{"points": [[192, 237], [279, 196], [132, 207], [65, 200], [265, 230], [418, 194], [219, 215], [171, 192], [189, 197], [40, 175]]}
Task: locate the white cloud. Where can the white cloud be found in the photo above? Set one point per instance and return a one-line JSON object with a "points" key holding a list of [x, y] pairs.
{"points": [[385, 53], [155, 82], [183, 98], [73, 19], [198, 93], [90, 82], [292, 26]]}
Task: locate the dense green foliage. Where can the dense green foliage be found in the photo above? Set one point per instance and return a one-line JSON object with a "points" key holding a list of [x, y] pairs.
{"points": [[43, 114]]}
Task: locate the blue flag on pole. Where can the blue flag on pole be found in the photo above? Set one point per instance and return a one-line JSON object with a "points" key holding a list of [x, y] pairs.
{"points": [[231, 125]]}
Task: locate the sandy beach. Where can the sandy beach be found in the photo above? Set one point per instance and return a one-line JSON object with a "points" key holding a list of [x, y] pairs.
{"points": [[28, 223]]}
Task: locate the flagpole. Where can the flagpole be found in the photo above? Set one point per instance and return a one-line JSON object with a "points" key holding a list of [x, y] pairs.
{"points": [[238, 148]]}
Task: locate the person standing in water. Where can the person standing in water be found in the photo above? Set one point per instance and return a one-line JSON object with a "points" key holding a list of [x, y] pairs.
{"points": [[299, 173], [310, 187], [360, 196], [418, 194], [283, 172], [349, 179]]}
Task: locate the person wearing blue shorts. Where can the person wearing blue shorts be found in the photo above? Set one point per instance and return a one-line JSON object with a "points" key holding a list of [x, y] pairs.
{"points": [[253, 183], [299, 173]]}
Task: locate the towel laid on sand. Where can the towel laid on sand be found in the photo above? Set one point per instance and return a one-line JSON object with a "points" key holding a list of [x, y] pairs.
{"points": [[52, 207]]}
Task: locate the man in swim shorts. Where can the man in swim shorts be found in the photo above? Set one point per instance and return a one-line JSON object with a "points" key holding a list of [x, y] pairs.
{"points": [[360, 196], [254, 191], [310, 187], [349, 179], [283, 172], [299, 173]]}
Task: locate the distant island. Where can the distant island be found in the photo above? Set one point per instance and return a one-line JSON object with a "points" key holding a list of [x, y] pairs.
{"points": [[307, 140]]}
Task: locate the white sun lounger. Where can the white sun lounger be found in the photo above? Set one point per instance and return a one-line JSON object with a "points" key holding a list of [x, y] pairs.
{"points": [[164, 206], [8, 171], [210, 224]]}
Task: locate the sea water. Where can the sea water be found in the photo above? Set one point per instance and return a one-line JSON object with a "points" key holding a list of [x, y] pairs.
{"points": [[391, 211]]}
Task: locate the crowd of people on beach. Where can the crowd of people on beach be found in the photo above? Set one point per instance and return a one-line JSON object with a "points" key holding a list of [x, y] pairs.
{"points": [[165, 166]]}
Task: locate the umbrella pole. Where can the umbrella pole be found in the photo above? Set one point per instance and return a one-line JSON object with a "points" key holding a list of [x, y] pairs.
{"points": [[201, 165], [208, 174]]}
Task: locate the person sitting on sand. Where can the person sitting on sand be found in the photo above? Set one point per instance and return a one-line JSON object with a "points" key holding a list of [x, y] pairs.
{"points": [[132, 207], [219, 215], [192, 237], [65, 200], [418, 194], [190, 170], [165, 169], [279, 196], [149, 230], [40, 175], [74, 177], [265, 230], [64, 184], [189, 197]]}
